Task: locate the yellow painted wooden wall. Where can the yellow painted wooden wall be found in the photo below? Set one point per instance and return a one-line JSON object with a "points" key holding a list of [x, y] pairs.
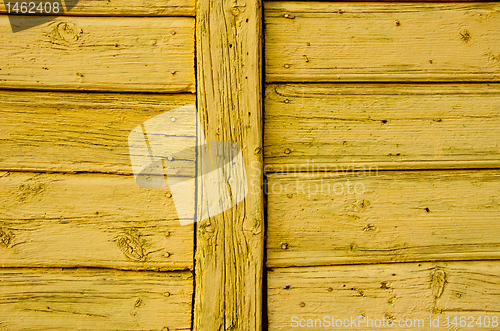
{"points": [[380, 148], [381, 142], [82, 246]]}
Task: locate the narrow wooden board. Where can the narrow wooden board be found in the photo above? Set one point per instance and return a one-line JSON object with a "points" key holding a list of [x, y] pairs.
{"points": [[319, 219], [230, 246], [89, 220], [70, 132], [100, 53], [394, 126], [401, 292], [125, 8], [94, 299], [329, 42]]}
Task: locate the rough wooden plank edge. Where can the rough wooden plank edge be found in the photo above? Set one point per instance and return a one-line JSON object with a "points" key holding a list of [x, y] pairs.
{"points": [[94, 299], [320, 219], [322, 127], [100, 221], [78, 132], [229, 252], [398, 292], [124, 8], [108, 54], [381, 42]]}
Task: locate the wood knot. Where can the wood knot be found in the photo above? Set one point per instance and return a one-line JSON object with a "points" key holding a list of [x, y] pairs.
{"points": [[5, 237], [465, 36], [65, 32], [132, 246], [438, 282]]}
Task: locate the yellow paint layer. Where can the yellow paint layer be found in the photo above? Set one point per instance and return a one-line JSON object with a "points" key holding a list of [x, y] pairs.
{"points": [[370, 217], [125, 8], [53, 220], [405, 293], [330, 42], [94, 299], [309, 127], [100, 54]]}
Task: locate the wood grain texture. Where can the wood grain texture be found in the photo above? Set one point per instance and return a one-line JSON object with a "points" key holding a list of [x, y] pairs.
{"points": [[71, 132], [104, 221], [330, 42], [94, 299], [229, 246], [324, 219], [100, 54], [398, 291], [126, 8], [390, 126]]}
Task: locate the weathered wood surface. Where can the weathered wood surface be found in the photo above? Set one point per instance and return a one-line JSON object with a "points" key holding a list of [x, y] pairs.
{"points": [[393, 126], [229, 246], [94, 299], [398, 291], [329, 42], [318, 219], [68, 132], [53, 220], [101, 53], [125, 8]]}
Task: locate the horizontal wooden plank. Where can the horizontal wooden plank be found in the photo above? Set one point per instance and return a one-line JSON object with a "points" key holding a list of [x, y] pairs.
{"points": [[99, 53], [54, 220], [390, 126], [45, 299], [404, 293], [329, 42], [45, 131], [323, 219], [125, 8]]}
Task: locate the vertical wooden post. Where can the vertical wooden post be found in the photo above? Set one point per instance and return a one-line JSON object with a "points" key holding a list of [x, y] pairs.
{"points": [[229, 249]]}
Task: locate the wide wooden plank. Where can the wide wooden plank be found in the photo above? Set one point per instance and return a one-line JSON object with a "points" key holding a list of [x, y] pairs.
{"points": [[230, 246], [394, 126], [370, 217], [94, 299], [45, 131], [54, 220], [329, 42], [99, 53], [404, 293], [125, 8]]}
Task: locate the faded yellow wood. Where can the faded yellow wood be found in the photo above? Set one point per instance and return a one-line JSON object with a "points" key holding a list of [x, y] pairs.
{"points": [[318, 219], [100, 54], [46, 131], [125, 8], [94, 299], [394, 126], [105, 221], [330, 42], [402, 292], [229, 246]]}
